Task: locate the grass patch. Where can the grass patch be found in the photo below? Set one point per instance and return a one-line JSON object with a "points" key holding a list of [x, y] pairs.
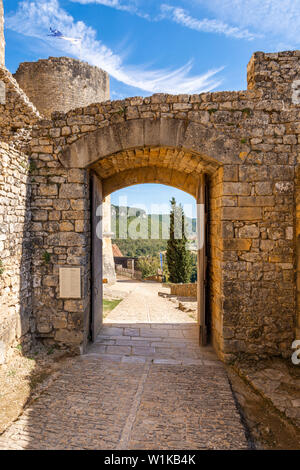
{"points": [[109, 305]]}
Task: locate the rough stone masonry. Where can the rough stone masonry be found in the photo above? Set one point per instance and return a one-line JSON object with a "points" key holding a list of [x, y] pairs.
{"points": [[246, 142]]}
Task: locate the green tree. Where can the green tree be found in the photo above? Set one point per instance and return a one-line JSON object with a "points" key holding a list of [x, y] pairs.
{"points": [[179, 259], [148, 265]]}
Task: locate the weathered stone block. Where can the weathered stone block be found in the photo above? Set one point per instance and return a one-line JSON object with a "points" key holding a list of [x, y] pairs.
{"points": [[241, 213], [227, 230], [69, 337], [267, 245], [50, 281], [66, 239], [263, 189], [61, 204], [238, 244], [249, 231], [230, 173], [48, 189], [72, 191], [73, 305], [66, 131], [259, 201], [66, 226], [76, 176], [253, 173], [236, 189]]}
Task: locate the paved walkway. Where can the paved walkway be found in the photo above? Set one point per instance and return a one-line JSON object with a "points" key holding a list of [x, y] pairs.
{"points": [[144, 384]]}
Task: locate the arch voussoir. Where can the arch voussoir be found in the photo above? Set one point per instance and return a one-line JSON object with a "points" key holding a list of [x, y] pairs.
{"points": [[139, 133]]}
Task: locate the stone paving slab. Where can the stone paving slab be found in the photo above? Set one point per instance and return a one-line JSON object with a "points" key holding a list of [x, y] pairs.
{"points": [[135, 390], [276, 380], [88, 406], [187, 408]]}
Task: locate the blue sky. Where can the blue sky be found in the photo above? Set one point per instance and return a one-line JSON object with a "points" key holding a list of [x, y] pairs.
{"points": [[154, 198], [148, 46]]}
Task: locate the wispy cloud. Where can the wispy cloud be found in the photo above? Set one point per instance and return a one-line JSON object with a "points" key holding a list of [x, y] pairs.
{"points": [[33, 19], [182, 17], [128, 5], [277, 20], [176, 14]]}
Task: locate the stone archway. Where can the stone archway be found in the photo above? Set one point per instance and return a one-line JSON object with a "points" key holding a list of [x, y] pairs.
{"points": [[212, 147], [173, 140], [118, 157]]}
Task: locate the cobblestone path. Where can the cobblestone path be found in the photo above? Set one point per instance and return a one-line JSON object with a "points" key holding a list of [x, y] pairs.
{"points": [[144, 384]]}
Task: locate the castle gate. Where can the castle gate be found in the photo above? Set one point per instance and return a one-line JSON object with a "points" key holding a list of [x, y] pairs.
{"points": [[245, 143]]}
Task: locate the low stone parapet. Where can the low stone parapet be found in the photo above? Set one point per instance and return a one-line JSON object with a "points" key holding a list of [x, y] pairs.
{"points": [[184, 290]]}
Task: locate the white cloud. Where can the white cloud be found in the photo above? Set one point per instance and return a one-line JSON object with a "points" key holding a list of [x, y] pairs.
{"points": [[33, 18], [176, 14], [181, 16], [278, 20], [129, 5]]}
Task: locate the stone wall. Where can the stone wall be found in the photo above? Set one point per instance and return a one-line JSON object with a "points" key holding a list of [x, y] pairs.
{"points": [[2, 40], [17, 116], [247, 144], [184, 290], [128, 273], [61, 237], [17, 113], [62, 83], [217, 232], [15, 250], [297, 234]]}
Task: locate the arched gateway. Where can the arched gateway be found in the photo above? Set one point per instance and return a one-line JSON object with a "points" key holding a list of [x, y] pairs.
{"points": [[236, 152], [244, 144]]}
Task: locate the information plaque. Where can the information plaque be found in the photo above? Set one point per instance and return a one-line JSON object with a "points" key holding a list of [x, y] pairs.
{"points": [[70, 283]]}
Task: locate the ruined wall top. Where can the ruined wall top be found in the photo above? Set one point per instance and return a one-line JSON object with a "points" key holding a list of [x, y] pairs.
{"points": [[17, 113], [62, 84], [2, 40], [277, 74]]}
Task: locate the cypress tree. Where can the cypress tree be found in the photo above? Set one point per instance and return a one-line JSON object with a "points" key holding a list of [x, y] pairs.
{"points": [[179, 258]]}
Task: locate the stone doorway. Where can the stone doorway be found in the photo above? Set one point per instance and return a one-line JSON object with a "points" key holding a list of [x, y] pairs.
{"points": [[203, 320], [251, 207]]}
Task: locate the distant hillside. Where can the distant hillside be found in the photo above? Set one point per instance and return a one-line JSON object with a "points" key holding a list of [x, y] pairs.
{"points": [[145, 225]]}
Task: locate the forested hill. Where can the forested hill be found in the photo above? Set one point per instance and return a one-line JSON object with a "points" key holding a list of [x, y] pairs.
{"points": [[152, 231]]}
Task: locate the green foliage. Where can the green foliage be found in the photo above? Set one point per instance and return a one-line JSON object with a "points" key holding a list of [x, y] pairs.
{"points": [[146, 245], [2, 269], [149, 266], [246, 111], [243, 141], [32, 166], [46, 257], [141, 248], [179, 259], [194, 272]]}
